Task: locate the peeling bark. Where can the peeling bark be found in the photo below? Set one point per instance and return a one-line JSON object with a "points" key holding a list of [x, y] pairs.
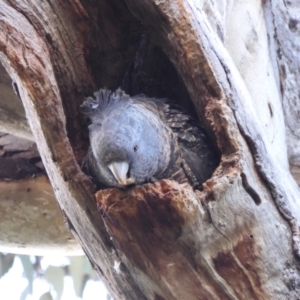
{"points": [[236, 239]]}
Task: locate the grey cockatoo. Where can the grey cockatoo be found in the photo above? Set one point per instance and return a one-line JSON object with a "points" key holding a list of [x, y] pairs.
{"points": [[134, 140]]}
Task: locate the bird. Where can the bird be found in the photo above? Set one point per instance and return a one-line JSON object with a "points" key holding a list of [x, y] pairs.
{"points": [[138, 139]]}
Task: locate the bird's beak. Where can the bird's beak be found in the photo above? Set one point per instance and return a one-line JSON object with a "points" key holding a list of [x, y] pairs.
{"points": [[120, 171]]}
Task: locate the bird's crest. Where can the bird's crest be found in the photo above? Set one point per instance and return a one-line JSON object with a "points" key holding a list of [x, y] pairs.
{"points": [[103, 101]]}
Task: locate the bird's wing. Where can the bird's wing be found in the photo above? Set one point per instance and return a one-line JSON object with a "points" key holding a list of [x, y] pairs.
{"points": [[198, 153], [199, 156]]}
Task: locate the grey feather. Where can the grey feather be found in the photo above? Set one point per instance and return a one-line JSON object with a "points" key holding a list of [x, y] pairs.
{"points": [[146, 138]]}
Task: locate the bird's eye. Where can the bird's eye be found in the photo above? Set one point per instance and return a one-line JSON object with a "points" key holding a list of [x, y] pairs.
{"points": [[135, 148]]}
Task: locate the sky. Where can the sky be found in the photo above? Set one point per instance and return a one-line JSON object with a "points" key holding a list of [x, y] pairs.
{"points": [[13, 283]]}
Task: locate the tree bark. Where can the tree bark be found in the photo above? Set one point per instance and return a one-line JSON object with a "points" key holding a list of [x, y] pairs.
{"points": [[30, 218], [31, 222], [12, 114], [236, 239]]}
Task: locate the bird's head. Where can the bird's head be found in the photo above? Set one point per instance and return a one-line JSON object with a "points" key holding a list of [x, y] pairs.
{"points": [[130, 142]]}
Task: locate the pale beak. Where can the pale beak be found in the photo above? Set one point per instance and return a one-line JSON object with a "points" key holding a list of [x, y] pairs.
{"points": [[120, 170]]}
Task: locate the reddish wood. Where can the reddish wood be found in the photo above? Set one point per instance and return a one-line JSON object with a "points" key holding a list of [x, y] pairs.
{"points": [[236, 239]]}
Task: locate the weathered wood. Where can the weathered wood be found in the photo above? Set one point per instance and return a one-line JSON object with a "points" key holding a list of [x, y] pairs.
{"points": [[236, 239], [12, 114], [31, 221], [178, 246], [282, 21], [215, 83], [82, 50], [30, 218], [19, 158]]}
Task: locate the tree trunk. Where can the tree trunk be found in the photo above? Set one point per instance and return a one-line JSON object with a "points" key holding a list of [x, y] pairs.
{"points": [[238, 238]]}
